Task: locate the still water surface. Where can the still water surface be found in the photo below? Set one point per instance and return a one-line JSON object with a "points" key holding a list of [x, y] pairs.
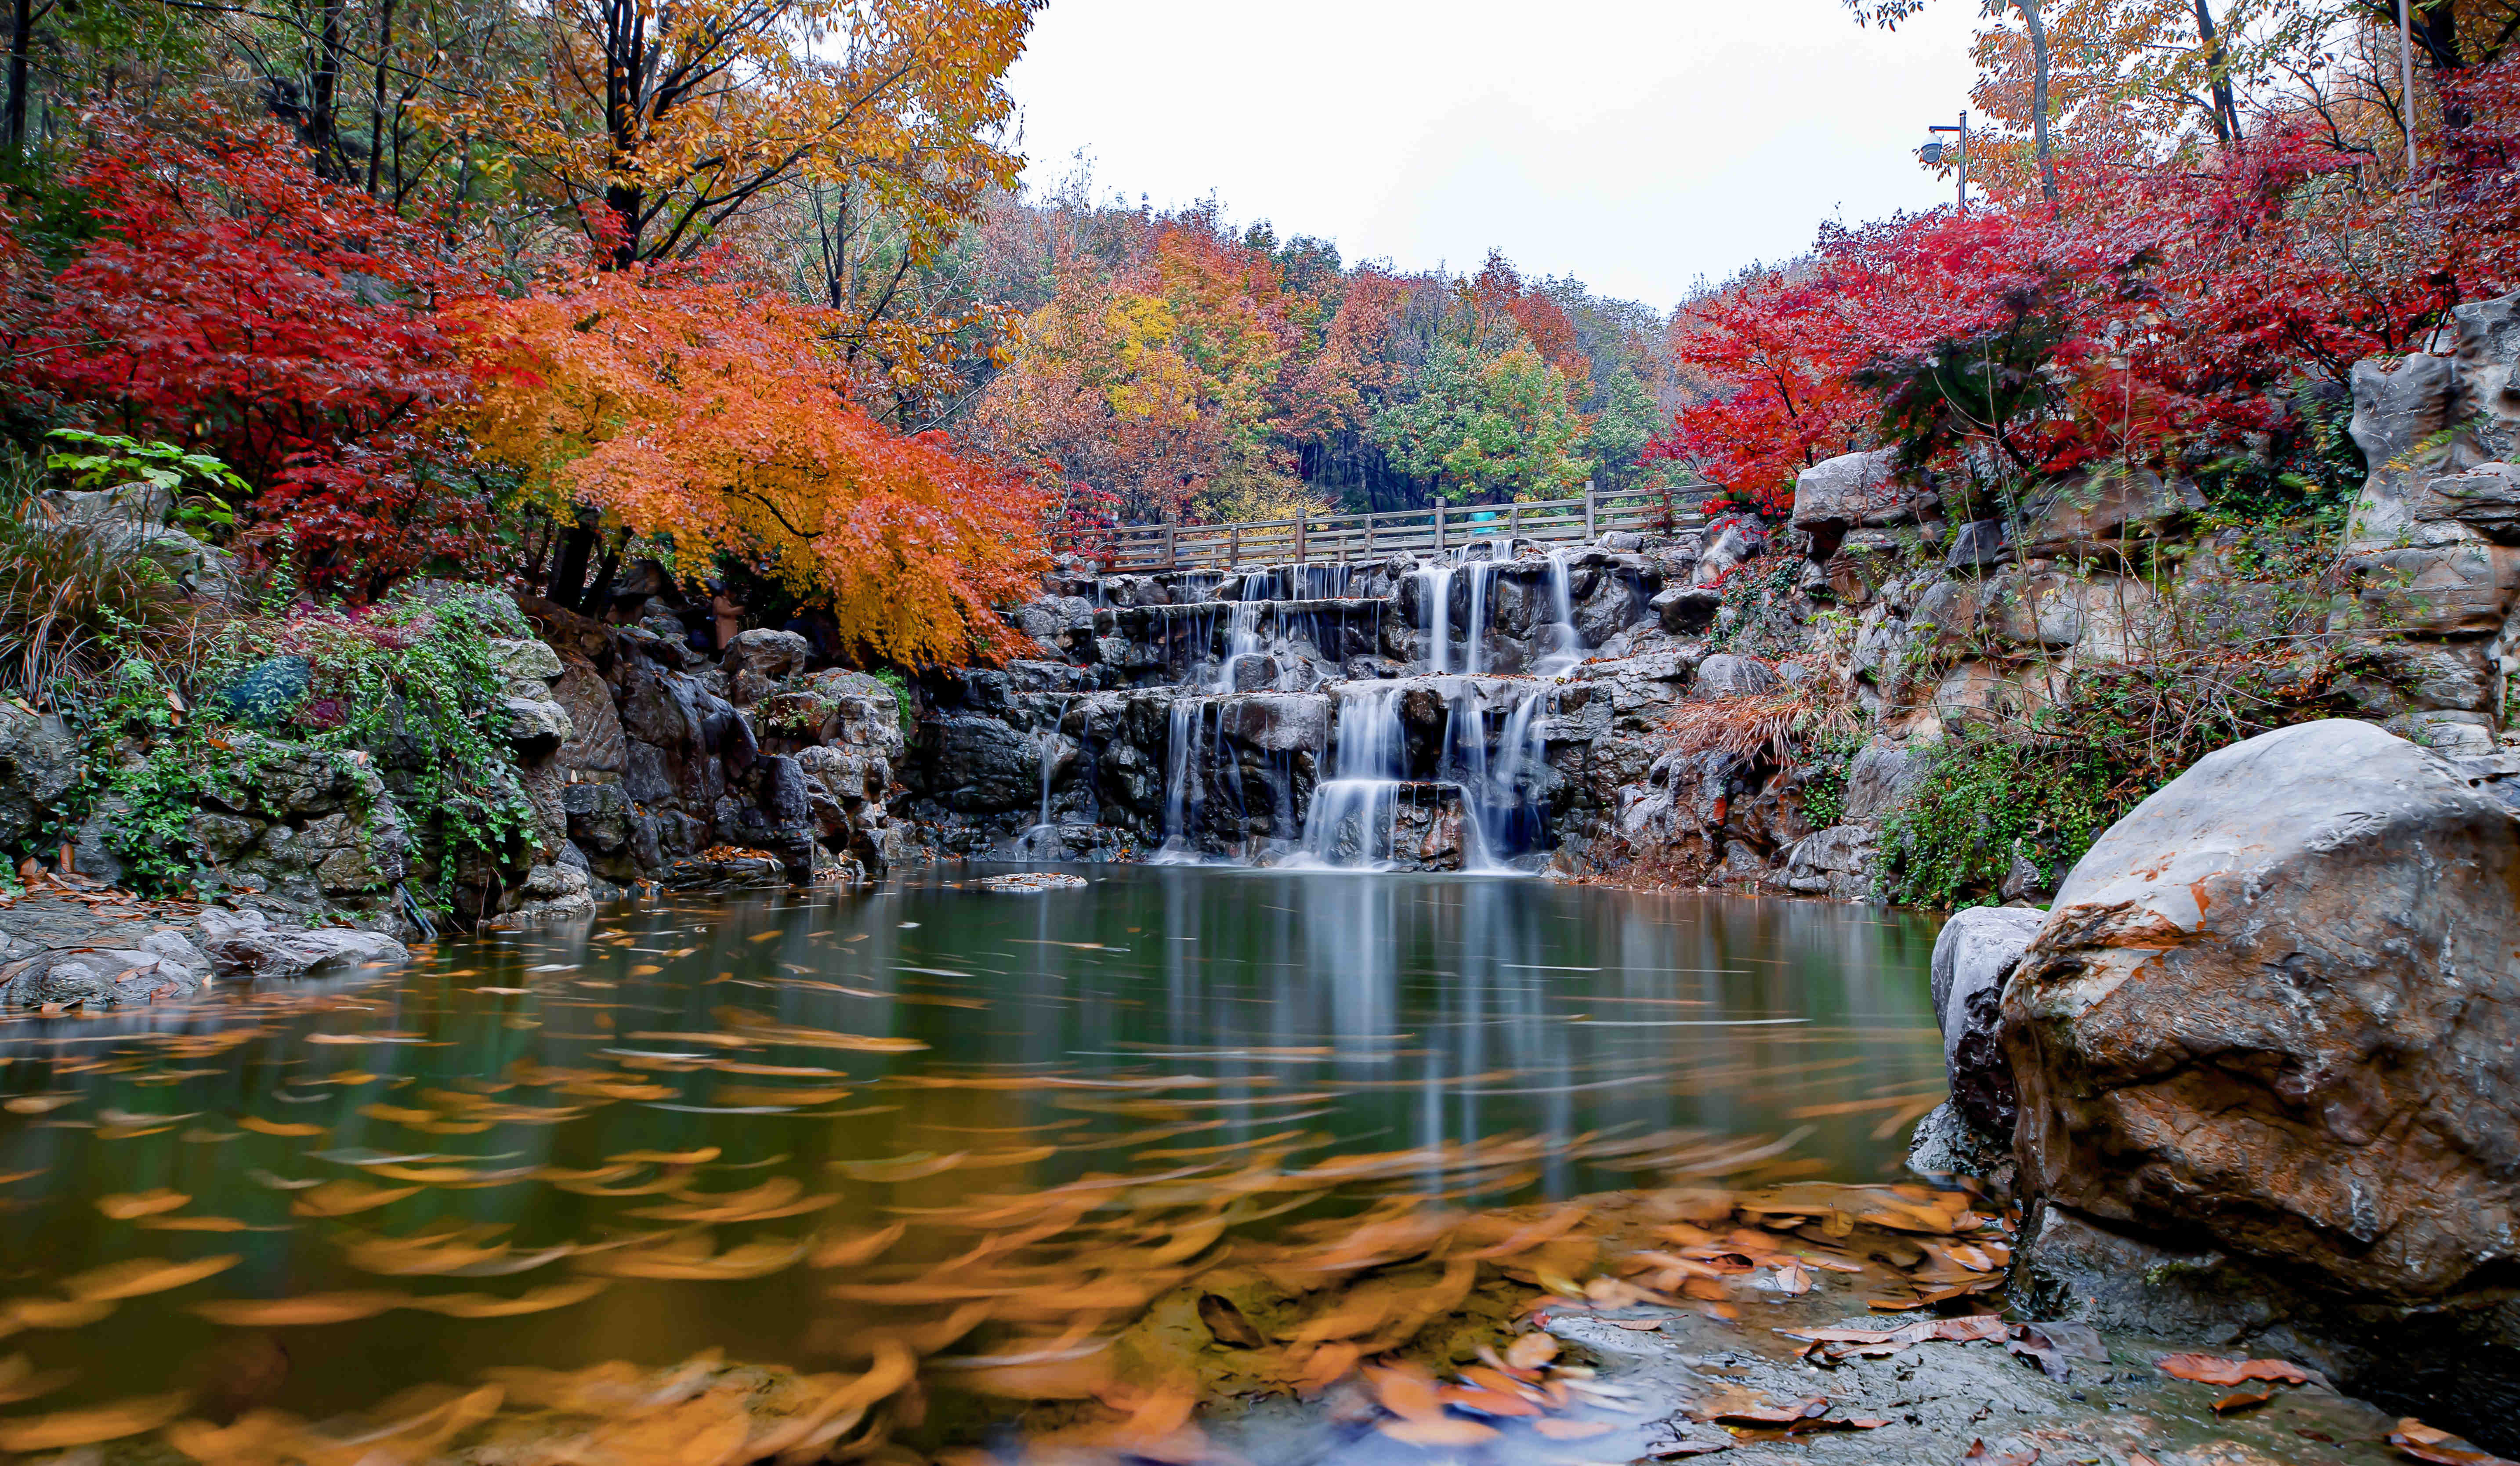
{"points": [[684, 1125]]}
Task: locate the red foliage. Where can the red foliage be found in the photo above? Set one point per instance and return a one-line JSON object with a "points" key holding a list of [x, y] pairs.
{"points": [[2182, 304], [234, 302]]}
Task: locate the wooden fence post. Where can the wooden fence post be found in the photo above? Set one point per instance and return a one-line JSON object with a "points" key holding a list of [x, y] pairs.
{"points": [[1439, 527], [1172, 546], [1588, 512], [1513, 522], [1369, 533], [1299, 539], [1234, 547]]}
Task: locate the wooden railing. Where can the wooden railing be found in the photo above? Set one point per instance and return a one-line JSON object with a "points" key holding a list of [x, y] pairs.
{"points": [[1334, 539]]}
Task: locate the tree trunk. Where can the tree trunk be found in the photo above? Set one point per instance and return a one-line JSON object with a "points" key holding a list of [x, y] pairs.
{"points": [[2037, 25], [569, 577], [2225, 109], [592, 603], [377, 102], [21, 29], [323, 135], [624, 45]]}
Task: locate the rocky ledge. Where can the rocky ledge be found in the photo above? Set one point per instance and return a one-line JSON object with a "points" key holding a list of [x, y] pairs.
{"points": [[70, 943], [2257, 1068]]}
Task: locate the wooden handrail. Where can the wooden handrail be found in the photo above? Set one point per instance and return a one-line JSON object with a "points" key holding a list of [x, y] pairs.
{"points": [[1334, 538]]}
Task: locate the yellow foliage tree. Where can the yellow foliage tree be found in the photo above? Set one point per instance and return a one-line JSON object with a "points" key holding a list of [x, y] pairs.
{"points": [[713, 420]]}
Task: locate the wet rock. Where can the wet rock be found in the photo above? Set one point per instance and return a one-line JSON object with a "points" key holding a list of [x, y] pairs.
{"points": [[1839, 494], [2489, 364], [246, 943], [1979, 544], [596, 744], [1685, 610], [1877, 777], [560, 891], [39, 762], [2411, 422], [2273, 1010], [759, 659], [1724, 675], [1835, 862], [1945, 1144], [1976, 952], [2111, 511], [524, 659]]}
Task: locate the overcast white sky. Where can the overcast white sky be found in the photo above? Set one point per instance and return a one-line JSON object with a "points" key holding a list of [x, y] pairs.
{"points": [[1633, 145]]}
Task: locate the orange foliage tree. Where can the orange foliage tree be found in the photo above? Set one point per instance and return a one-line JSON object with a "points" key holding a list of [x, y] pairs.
{"points": [[712, 421]]}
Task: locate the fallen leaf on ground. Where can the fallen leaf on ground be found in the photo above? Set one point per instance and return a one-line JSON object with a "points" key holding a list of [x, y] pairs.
{"points": [[1978, 1452], [2242, 1400], [2209, 1370], [2412, 1437]]}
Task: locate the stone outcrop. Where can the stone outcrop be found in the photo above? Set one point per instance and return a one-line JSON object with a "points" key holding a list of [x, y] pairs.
{"points": [[2271, 1024], [247, 943]]}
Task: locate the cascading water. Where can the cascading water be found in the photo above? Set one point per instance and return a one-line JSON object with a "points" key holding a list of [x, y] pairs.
{"points": [[1355, 812], [1044, 833], [1565, 643], [1435, 607]]}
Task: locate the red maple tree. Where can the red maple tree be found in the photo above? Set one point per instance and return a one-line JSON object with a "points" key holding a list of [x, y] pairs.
{"points": [[235, 303]]}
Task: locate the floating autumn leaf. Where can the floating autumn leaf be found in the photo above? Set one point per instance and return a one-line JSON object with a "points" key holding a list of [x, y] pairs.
{"points": [[21, 1380], [856, 1248], [1572, 1430], [2412, 1437], [1439, 1430], [124, 1206], [686, 1261], [58, 1312], [1531, 1351], [1405, 1390], [307, 1309], [143, 1275], [2210, 1369], [1734, 1405], [1479, 1401], [261, 1125], [700, 1156], [904, 1168], [89, 1427], [347, 1197], [488, 1306]]}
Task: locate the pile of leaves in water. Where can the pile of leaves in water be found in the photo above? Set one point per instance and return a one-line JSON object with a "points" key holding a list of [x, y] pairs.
{"points": [[1103, 1313]]}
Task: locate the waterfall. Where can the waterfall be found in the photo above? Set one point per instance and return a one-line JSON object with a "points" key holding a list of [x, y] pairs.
{"points": [[1242, 640], [1355, 809], [1474, 643], [1181, 778], [1045, 832], [1565, 643], [1435, 601]]}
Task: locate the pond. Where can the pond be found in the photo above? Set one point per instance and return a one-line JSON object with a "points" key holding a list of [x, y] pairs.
{"points": [[775, 1124]]}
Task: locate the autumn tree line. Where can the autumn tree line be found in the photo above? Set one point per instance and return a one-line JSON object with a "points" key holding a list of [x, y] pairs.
{"points": [[749, 287]]}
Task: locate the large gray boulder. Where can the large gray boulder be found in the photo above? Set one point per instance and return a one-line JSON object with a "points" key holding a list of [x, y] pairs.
{"points": [[2267, 1057], [2278, 1007], [1851, 490]]}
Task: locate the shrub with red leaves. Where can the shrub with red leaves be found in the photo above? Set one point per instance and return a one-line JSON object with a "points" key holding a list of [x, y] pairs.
{"points": [[234, 302], [2179, 316]]}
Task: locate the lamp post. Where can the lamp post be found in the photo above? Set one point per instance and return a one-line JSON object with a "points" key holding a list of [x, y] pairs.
{"points": [[1936, 151]]}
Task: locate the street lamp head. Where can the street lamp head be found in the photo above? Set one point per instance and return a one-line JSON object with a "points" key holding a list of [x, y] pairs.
{"points": [[1931, 154]]}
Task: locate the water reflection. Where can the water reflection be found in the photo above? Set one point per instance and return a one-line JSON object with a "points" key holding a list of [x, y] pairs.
{"points": [[767, 1124]]}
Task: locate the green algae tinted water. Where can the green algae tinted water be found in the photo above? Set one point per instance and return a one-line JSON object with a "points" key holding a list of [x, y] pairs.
{"points": [[699, 1122]]}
